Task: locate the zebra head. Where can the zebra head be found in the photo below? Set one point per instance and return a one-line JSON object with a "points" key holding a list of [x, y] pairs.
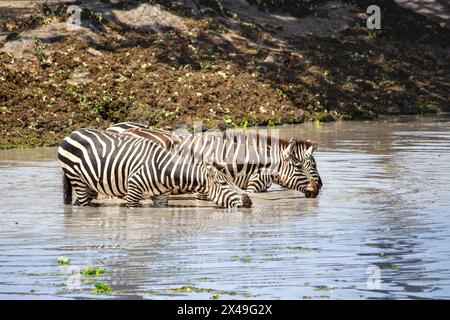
{"points": [[223, 191], [298, 168]]}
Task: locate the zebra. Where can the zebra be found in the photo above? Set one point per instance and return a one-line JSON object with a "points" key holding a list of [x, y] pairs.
{"points": [[162, 137], [123, 126], [98, 162], [252, 161]]}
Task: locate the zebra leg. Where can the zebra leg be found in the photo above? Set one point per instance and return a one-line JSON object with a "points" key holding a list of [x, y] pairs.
{"points": [[161, 201], [259, 183], [201, 196], [92, 194], [134, 194], [84, 194]]}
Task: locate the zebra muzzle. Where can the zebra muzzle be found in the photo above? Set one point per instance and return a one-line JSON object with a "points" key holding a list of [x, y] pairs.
{"points": [[246, 201], [312, 189]]}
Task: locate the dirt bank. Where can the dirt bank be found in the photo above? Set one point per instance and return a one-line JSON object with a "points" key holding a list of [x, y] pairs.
{"points": [[170, 65]]}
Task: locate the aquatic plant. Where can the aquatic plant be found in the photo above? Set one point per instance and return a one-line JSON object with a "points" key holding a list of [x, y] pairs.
{"points": [[101, 287], [63, 260], [92, 271]]}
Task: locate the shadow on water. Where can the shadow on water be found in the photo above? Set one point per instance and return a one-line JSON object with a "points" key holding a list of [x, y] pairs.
{"points": [[379, 229]]}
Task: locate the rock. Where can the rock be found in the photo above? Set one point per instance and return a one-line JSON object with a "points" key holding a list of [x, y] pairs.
{"points": [[22, 45], [94, 52], [79, 78], [147, 17]]}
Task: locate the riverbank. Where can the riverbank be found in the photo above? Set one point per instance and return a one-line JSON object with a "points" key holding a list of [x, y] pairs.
{"points": [[170, 66]]}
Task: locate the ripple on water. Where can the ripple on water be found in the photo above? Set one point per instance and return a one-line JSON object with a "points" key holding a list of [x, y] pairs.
{"points": [[384, 206]]}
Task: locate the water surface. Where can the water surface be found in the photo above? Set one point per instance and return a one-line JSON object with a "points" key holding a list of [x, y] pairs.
{"points": [[379, 229]]}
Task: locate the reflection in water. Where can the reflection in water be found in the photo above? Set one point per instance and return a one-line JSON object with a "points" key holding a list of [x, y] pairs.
{"points": [[384, 205]]}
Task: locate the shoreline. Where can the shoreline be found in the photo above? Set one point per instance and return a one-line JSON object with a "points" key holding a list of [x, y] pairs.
{"points": [[381, 118]]}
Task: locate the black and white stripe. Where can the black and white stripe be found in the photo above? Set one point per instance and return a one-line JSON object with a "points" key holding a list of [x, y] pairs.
{"points": [[252, 161], [121, 166]]}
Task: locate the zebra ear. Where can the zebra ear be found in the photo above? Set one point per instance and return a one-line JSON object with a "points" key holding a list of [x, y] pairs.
{"points": [[311, 148], [290, 148], [309, 151]]}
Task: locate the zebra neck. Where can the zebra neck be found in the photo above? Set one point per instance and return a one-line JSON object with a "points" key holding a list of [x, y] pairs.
{"points": [[276, 156], [193, 179]]}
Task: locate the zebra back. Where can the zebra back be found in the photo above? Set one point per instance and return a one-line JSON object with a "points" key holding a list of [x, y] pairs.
{"points": [[119, 128]]}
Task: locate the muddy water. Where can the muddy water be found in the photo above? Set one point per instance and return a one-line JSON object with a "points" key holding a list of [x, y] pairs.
{"points": [[379, 229]]}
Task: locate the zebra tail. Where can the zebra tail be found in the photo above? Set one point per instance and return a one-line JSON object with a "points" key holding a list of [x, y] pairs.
{"points": [[67, 190]]}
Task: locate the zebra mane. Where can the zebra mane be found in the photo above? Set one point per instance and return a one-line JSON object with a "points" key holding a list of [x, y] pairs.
{"points": [[306, 142], [281, 141]]}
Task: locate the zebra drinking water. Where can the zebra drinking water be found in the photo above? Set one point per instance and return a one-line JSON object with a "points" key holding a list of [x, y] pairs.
{"points": [[252, 161], [96, 161]]}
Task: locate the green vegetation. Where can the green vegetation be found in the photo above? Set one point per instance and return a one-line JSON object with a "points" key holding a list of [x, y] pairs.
{"points": [[246, 259], [319, 124], [280, 93], [102, 288], [63, 260], [324, 288], [185, 289], [44, 61], [189, 289], [300, 248], [216, 293], [38, 49], [92, 271]]}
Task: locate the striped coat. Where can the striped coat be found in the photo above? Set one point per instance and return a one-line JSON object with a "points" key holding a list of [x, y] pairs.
{"points": [[252, 161], [96, 161]]}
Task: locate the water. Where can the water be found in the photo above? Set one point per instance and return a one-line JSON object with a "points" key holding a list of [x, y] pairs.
{"points": [[379, 229]]}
